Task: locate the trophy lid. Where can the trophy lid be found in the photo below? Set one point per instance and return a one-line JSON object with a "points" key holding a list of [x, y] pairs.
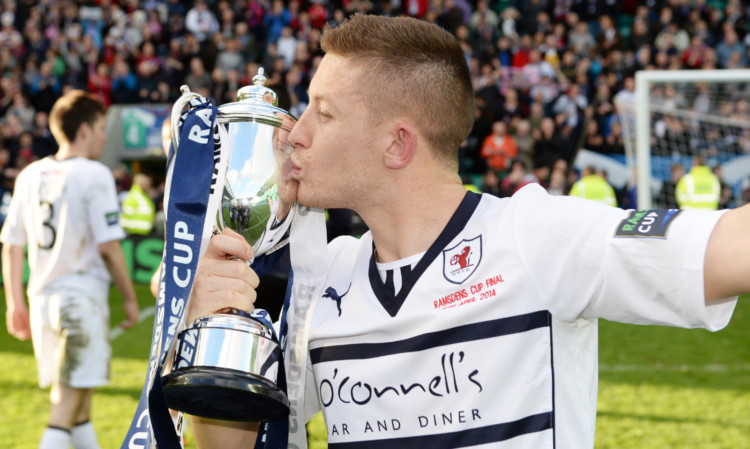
{"points": [[258, 91], [255, 103]]}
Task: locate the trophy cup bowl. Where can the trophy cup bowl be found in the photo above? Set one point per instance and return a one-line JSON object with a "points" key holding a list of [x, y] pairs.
{"points": [[226, 366]]}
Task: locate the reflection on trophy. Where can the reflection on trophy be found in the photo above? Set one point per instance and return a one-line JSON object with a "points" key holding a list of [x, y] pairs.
{"points": [[226, 366]]}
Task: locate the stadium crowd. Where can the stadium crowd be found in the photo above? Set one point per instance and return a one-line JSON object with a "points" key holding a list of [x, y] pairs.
{"points": [[547, 73]]}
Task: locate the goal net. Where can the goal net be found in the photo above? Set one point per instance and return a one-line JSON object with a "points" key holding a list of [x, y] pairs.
{"points": [[679, 114]]}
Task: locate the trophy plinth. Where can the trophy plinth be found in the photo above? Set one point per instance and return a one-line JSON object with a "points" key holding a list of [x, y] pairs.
{"points": [[226, 366]]}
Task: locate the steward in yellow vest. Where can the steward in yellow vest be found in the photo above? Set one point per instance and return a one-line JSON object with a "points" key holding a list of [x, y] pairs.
{"points": [[138, 208], [698, 189], [593, 187]]}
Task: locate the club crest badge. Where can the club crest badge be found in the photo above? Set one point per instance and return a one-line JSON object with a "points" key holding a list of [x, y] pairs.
{"points": [[460, 261]]}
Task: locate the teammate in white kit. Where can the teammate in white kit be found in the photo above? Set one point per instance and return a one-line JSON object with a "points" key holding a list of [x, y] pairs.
{"points": [[64, 209], [460, 320]]}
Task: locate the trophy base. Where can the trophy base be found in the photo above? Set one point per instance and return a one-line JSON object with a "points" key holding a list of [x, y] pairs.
{"points": [[224, 394]]}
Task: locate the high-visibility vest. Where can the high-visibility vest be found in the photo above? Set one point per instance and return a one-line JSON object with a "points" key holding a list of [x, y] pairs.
{"points": [[698, 189], [138, 212], [595, 188]]}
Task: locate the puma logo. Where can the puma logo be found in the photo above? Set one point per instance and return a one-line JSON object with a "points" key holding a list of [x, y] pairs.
{"points": [[333, 294]]}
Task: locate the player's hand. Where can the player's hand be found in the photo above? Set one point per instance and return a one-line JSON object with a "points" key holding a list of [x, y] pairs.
{"points": [[222, 281], [131, 313], [287, 185], [17, 320]]}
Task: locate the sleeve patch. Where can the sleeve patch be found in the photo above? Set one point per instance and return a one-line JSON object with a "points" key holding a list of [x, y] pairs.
{"points": [[112, 218], [647, 223]]}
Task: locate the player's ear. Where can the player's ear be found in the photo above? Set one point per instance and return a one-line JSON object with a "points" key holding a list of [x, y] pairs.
{"points": [[83, 131], [402, 147]]}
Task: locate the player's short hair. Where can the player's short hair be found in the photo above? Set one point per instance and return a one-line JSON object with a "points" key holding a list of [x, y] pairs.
{"points": [[72, 110], [414, 68]]}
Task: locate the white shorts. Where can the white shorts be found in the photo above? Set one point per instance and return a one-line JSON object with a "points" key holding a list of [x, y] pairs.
{"points": [[70, 334]]}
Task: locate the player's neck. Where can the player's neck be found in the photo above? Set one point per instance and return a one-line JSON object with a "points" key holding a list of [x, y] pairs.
{"points": [[409, 223], [70, 151]]}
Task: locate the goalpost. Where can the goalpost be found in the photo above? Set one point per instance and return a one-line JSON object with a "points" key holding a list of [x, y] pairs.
{"points": [[679, 114]]}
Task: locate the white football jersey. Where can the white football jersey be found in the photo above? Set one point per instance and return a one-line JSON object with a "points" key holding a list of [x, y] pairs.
{"points": [[491, 338], [63, 210]]}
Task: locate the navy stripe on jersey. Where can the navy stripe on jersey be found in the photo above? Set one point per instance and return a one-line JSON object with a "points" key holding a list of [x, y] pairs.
{"points": [[392, 301], [464, 438], [460, 334]]}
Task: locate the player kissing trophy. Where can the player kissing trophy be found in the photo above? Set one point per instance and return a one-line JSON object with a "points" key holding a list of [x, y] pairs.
{"points": [[226, 366]]}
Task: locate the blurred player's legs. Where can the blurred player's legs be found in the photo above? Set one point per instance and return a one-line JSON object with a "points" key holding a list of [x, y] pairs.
{"points": [[73, 352]]}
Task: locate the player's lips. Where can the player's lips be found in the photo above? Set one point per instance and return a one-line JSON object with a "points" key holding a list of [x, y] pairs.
{"points": [[296, 170]]}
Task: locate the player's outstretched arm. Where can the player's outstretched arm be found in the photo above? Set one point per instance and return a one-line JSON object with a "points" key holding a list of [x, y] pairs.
{"points": [[17, 313], [727, 265], [221, 282], [114, 260]]}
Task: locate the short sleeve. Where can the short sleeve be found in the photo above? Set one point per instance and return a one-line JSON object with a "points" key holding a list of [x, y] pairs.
{"points": [[589, 260], [103, 207]]}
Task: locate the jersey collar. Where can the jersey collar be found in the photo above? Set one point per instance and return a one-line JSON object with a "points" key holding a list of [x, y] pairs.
{"points": [[391, 301]]}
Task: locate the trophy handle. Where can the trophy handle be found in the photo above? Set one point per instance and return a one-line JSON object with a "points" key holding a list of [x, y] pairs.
{"points": [[177, 108]]}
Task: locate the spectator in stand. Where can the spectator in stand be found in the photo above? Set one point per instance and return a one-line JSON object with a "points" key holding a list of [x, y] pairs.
{"points": [[672, 39], [287, 46], [148, 69], [483, 16], [580, 40], [726, 199], [198, 79], [594, 140], [231, 58], [491, 183], [521, 56], [730, 46], [694, 56], [609, 37], [666, 199], [548, 144], [639, 35], [524, 139], [124, 83], [21, 108], [518, 177], [627, 93], [100, 83], [614, 141], [275, 20], [558, 182], [499, 149], [44, 87], [201, 21], [571, 104]]}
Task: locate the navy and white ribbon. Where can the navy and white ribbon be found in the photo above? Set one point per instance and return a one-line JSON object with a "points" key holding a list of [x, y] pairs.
{"points": [[195, 177]]}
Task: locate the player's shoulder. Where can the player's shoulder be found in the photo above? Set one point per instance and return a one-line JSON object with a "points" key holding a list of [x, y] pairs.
{"points": [[345, 244], [93, 169], [531, 191]]}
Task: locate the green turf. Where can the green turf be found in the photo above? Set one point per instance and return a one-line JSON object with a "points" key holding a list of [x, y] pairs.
{"points": [[659, 387]]}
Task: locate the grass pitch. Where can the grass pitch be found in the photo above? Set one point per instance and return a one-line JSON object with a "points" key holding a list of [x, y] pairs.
{"points": [[659, 387]]}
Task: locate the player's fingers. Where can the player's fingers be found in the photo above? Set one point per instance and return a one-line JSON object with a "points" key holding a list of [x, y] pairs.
{"points": [[220, 284], [132, 319], [18, 325], [19, 332], [228, 244]]}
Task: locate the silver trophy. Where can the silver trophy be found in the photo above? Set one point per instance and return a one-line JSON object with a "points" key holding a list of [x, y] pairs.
{"points": [[226, 366]]}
